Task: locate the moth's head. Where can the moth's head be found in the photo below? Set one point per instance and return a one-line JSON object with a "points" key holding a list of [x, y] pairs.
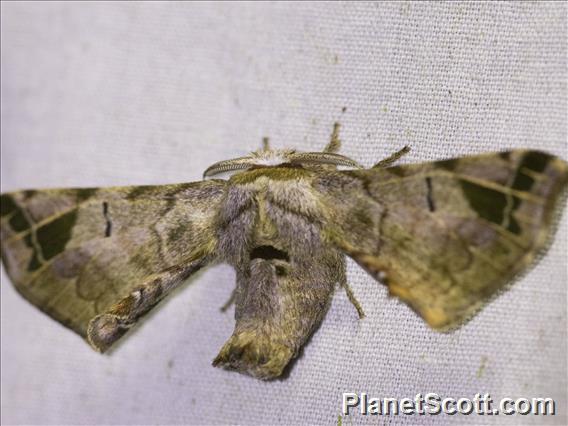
{"points": [[266, 157]]}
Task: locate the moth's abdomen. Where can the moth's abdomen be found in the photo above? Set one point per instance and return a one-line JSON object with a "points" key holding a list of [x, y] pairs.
{"points": [[286, 275], [280, 301]]}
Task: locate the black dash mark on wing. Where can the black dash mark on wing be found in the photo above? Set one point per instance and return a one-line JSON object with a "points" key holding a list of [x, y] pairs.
{"points": [[108, 228], [268, 253], [429, 197]]}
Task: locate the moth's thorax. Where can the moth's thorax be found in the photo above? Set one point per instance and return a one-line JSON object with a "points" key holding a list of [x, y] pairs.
{"points": [[270, 205]]}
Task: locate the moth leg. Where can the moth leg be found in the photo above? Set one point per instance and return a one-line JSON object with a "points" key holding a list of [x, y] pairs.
{"points": [[334, 144], [392, 158], [108, 327], [353, 299], [266, 143], [229, 302]]}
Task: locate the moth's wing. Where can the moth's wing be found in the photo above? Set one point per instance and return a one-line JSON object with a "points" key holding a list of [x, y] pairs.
{"points": [[445, 236], [75, 253]]}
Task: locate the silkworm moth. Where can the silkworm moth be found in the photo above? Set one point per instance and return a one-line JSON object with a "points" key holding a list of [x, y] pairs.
{"points": [[443, 236]]}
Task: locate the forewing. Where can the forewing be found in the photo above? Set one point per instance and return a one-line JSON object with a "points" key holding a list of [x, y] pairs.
{"points": [[74, 253], [446, 236]]}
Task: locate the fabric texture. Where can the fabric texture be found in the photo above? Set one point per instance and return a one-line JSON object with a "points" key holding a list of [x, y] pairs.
{"points": [[100, 94]]}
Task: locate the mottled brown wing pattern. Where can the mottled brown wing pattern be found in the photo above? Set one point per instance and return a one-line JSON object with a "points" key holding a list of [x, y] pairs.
{"points": [[76, 253], [445, 236]]}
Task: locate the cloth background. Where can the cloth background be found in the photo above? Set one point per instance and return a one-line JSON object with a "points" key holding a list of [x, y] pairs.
{"points": [[97, 94]]}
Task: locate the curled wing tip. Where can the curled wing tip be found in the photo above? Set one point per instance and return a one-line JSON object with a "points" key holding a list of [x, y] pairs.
{"points": [[103, 331]]}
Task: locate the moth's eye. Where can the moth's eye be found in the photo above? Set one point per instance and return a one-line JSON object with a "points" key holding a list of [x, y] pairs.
{"points": [[280, 270]]}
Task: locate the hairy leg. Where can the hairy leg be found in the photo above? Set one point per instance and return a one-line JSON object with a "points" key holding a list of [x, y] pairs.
{"points": [[353, 300], [391, 159], [334, 144]]}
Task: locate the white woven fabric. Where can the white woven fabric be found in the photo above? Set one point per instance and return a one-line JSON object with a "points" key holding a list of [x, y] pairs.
{"points": [[98, 94]]}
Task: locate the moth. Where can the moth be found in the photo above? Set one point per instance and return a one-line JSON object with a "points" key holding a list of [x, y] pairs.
{"points": [[443, 236]]}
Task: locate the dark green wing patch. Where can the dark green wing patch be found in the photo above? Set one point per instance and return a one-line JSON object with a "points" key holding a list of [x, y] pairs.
{"points": [[488, 203], [53, 236], [7, 205]]}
